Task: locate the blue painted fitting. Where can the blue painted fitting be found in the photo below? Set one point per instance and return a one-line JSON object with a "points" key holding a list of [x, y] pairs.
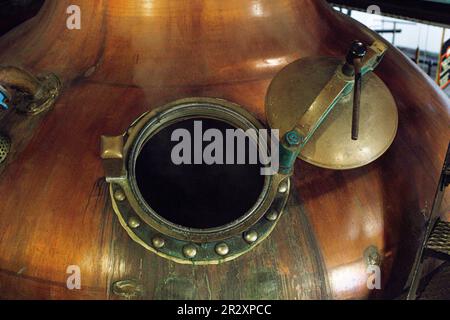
{"points": [[3, 99], [293, 138], [289, 150]]}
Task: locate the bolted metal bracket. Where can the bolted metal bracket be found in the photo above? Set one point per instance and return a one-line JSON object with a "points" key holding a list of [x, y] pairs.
{"points": [[27, 93], [112, 156], [25, 103], [128, 289], [372, 256]]}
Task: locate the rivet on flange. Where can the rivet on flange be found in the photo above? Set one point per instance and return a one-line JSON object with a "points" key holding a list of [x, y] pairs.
{"points": [[158, 242], [134, 222], [190, 251], [222, 249], [251, 236], [119, 195], [283, 187], [272, 215]]}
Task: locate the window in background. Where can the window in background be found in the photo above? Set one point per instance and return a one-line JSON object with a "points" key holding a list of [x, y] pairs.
{"points": [[421, 42]]}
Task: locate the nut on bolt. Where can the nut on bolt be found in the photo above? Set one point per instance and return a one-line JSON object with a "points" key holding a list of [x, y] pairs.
{"points": [[293, 138]]}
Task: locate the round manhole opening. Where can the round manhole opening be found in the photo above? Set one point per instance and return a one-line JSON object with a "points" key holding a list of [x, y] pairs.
{"points": [[209, 188], [193, 182]]}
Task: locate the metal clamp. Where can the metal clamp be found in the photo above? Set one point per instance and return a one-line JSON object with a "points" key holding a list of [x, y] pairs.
{"points": [[27, 93]]}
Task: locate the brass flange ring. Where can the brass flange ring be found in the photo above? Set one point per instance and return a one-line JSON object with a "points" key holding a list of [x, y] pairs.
{"points": [[175, 242]]}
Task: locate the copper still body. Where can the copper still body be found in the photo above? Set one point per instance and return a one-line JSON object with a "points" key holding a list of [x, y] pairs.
{"points": [[132, 56]]}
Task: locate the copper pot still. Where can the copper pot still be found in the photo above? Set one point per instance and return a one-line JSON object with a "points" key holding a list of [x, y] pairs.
{"points": [[86, 189]]}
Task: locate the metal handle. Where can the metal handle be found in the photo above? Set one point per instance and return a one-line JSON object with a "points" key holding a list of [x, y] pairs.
{"points": [[355, 58], [112, 156]]}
